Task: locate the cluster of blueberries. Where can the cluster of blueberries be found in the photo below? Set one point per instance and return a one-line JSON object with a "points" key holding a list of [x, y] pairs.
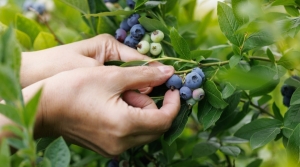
{"points": [[287, 92], [151, 43], [36, 6], [189, 89]]}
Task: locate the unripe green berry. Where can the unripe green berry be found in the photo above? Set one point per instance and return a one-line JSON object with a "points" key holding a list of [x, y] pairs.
{"points": [[157, 36], [143, 47], [146, 38], [155, 49], [198, 94], [191, 102]]}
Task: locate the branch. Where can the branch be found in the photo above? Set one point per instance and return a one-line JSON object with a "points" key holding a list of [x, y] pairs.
{"points": [[259, 108]]}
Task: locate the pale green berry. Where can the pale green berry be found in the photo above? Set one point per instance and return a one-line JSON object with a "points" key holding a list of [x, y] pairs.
{"points": [[191, 102], [143, 47], [198, 94], [157, 36], [155, 49], [146, 38]]}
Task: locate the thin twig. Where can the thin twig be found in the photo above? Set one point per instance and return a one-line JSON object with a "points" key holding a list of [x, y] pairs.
{"points": [[258, 107]]}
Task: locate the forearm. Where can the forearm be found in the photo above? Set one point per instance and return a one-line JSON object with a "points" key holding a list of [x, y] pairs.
{"points": [[43, 64]]}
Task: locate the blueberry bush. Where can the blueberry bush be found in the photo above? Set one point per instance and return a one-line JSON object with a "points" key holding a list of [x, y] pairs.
{"points": [[237, 68]]}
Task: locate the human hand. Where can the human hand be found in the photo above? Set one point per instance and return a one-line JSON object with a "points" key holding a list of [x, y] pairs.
{"points": [[98, 108], [92, 52]]}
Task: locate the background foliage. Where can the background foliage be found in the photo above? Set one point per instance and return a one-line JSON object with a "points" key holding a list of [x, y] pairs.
{"points": [[247, 49]]}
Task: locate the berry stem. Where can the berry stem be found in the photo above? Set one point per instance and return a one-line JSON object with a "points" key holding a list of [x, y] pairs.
{"points": [[227, 61]]}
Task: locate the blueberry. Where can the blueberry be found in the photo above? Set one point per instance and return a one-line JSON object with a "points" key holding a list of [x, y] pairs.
{"points": [[27, 4], [120, 34], [286, 101], [39, 7], [112, 1], [124, 25], [137, 31], [287, 90], [199, 71], [143, 47], [193, 80], [174, 82], [191, 101], [185, 92], [131, 42], [157, 36], [198, 94], [130, 3], [155, 49], [133, 19], [113, 163]]}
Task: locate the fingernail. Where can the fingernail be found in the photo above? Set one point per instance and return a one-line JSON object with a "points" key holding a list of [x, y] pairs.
{"points": [[165, 69]]}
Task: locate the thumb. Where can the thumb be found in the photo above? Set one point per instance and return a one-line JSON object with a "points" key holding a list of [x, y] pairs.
{"points": [[145, 76]]}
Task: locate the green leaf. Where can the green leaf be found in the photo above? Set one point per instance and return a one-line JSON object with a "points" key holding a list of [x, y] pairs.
{"points": [[228, 24], [114, 63], [270, 55], [58, 153], [28, 26], [31, 109], [43, 143], [207, 114], [44, 40], [169, 150], [246, 131], [10, 89], [113, 13], [44, 163], [237, 7], [230, 150], [204, 149], [276, 112], [180, 45], [295, 97], [134, 63], [290, 60], [233, 140], [228, 90], [263, 137], [178, 124], [264, 99], [293, 147], [259, 39], [291, 119], [214, 95], [283, 2], [292, 10], [292, 82], [81, 5], [255, 163], [153, 24], [5, 154], [105, 25], [11, 113], [234, 60], [199, 55]]}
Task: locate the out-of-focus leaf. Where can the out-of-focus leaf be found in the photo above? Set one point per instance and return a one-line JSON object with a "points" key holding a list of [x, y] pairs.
{"points": [[293, 147], [12, 90], [180, 45], [199, 55], [237, 7], [283, 2], [295, 97], [270, 55], [255, 163], [153, 24], [292, 82], [31, 109], [58, 153], [263, 137], [81, 5], [291, 120], [276, 112], [290, 60], [11, 113], [234, 60], [29, 27], [169, 150], [228, 90], [44, 40], [205, 149], [292, 10], [105, 25], [5, 156], [230, 150]]}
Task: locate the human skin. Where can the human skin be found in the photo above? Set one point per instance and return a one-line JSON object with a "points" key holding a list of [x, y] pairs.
{"points": [[93, 105]]}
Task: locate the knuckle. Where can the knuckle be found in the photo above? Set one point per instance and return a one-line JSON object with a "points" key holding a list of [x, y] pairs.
{"points": [[147, 71]]}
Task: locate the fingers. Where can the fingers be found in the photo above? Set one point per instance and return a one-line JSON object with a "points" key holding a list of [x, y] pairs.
{"points": [[138, 100], [156, 121], [142, 76]]}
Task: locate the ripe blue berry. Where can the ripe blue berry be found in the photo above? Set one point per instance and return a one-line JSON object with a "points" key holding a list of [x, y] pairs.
{"points": [[155, 49], [185, 92], [131, 42], [199, 71], [39, 7], [133, 19], [143, 47], [120, 34], [193, 80], [130, 3], [157, 36], [286, 101], [287, 90], [191, 102], [113, 163], [137, 31], [174, 82], [198, 94], [124, 25]]}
